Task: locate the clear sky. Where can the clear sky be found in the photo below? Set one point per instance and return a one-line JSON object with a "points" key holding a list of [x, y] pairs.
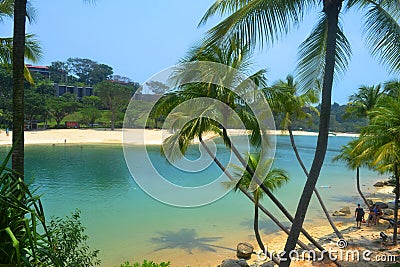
{"points": [[140, 38]]}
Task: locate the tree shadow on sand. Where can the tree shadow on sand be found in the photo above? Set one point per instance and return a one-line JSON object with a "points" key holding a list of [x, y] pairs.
{"points": [[185, 239]]}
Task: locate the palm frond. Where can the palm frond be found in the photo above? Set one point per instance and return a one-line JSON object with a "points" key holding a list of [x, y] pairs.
{"points": [[381, 31], [311, 56], [256, 21]]}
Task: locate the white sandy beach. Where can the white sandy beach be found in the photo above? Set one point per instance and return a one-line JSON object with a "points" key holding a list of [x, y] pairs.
{"points": [[106, 136]]}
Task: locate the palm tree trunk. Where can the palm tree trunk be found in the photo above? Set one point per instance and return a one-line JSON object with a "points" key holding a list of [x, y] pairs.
{"points": [[275, 220], [265, 211], [274, 199], [396, 203], [359, 188], [321, 202], [332, 10], [255, 227], [18, 86]]}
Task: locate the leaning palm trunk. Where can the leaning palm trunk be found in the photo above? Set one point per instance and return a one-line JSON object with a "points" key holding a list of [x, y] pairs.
{"points": [[219, 164], [265, 211], [328, 216], [18, 86], [359, 188], [332, 10], [273, 198], [255, 227], [396, 203]]}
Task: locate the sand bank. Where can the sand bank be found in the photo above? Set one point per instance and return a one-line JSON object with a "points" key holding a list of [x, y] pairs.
{"points": [[106, 136]]}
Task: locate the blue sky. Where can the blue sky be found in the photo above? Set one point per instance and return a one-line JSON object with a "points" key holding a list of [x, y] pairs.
{"points": [[140, 38]]}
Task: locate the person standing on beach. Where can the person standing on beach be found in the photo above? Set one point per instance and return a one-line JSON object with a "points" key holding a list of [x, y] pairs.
{"points": [[371, 216], [359, 214], [378, 213]]}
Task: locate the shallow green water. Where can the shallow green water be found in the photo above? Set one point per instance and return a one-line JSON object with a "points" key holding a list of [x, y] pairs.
{"points": [[125, 223]]}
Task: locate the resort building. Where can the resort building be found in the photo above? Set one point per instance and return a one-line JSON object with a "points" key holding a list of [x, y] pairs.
{"points": [[78, 90], [44, 70]]}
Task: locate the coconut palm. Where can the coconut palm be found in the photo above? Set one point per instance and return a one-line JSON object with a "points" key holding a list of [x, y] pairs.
{"points": [[360, 104], [18, 85], [19, 10], [364, 100], [346, 156], [392, 88], [274, 179], [292, 106], [197, 127], [378, 145], [323, 55]]}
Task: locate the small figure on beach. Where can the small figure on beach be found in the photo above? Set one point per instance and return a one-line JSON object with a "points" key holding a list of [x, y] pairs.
{"points": [[378, 213], [359, 214], [7, 132], [371, 215]]}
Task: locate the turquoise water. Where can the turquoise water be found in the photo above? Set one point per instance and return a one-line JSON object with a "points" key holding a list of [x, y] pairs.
{"points": [[126, 224]]}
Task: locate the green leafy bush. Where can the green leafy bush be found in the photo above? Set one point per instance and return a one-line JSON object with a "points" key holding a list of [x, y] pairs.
{"points": [[21, 215], [26, 239], [69, 242], [146, 264]]}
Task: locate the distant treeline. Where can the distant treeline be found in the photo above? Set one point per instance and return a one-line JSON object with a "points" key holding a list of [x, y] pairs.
{"points": [[339, 121]]}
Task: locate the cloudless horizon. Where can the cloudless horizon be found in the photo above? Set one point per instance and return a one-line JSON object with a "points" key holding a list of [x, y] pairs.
{"points": [[140, 38]]}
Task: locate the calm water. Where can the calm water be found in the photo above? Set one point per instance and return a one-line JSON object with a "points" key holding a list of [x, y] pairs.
{"points": [[126, 224]]}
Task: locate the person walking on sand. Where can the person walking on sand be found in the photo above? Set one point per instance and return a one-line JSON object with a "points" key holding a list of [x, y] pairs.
{"points": [[359, 214]]}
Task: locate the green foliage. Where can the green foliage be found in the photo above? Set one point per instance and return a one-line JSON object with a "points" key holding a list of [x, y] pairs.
{"points": [[59, 107], [26, 239], [146, 264], [21, 214], [338, 121], [69, 241]]}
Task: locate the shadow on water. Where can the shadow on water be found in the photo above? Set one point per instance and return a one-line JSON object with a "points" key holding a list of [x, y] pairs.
{"points": [[187, 240]]}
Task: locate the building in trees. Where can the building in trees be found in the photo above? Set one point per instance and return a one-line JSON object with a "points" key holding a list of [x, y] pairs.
{"points": [[80, 91], [44, 70]]}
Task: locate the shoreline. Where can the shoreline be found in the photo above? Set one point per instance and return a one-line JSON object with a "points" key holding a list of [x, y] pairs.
{"points": [[106, 136]]}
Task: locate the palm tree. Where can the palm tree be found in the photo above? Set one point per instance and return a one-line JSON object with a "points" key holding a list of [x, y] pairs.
{"points": [[392, 88], [19, 10], [274, 179], [180, 141], [346, 156], [364, 100], [360, 104], [293, 106], [18, 85], [323, 54], [379, 147]]}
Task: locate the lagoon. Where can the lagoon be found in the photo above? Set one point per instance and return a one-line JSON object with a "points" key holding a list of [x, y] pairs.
{"points": [[127, 224]]}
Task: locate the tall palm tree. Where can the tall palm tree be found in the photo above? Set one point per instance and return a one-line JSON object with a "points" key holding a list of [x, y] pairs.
{"points": [[347, 156], [360, 104], [322, 55], [379, 144], [196, 128], [292, 107], [19, 10], [274, 179], [392, 88], [18, 85]]}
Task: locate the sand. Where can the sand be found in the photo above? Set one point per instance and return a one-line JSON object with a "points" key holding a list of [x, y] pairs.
{"points": [[106, 136]]}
